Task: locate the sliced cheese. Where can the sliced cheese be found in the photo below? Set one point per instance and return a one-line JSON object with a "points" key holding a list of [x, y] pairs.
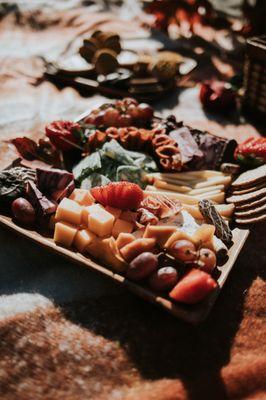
{"points": [[122, 226], [168, 186], [123, 239], [87, 210], [82, 239], [217, 197], [173, 195], [82, 196], [215, 180], [206, 189], [160, 233], [100, 221], [69, 211], [64, 233]]}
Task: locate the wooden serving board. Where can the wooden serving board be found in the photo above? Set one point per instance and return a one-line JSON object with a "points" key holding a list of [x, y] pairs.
{"points": [[192, 313]]}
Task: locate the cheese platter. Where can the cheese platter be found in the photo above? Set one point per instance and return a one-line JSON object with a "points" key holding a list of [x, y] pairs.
{"points": [[141, 202]]}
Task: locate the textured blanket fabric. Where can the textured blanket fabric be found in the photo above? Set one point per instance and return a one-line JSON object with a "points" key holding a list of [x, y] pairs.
{"points": [[66, 333]]}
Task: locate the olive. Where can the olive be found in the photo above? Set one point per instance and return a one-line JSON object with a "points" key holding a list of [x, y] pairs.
{"points": [[23, 211], [163, 279], [142, 266]]}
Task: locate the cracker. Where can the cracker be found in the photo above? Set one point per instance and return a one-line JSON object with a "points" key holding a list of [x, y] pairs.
{"points": [[250, 178], [247, 197], [253, 220], [250, 212], [252, 204], [250, 189]]}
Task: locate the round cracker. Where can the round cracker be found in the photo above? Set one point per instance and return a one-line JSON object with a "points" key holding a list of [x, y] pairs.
{"points": [[251, 177]]}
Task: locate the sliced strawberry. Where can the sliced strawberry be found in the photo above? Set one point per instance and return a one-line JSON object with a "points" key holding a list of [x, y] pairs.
{"points": [[123, 195], [193, 287]]}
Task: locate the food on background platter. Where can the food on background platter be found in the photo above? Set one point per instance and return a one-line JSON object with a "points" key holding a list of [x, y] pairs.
{"points": [[252, 152], [161, 255], [217, 96]]}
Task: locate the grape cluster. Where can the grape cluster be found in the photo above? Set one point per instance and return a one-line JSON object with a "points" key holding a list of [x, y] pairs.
{"points": [[123, 113]]}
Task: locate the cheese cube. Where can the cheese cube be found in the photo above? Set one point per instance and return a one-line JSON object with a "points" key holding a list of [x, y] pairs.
{"points": [[64, 233], [100, 221], [87, 210], [115, 211], [82, 196], [122, 226], [82, 239], [69, 211]]}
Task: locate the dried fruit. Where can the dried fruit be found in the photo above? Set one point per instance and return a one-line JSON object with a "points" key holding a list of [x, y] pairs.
{"points": [[123, 195]]}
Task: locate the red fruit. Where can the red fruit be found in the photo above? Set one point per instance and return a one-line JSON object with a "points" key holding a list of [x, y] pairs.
{"points": [[111, 117], [62, 134], [252, 152], [123, 195], [145, 111], [193, 287], [217, 96], [124, 120]]}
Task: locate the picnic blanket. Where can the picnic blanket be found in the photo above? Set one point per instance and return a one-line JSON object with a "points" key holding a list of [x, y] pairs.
{"points": [[66, 333]]}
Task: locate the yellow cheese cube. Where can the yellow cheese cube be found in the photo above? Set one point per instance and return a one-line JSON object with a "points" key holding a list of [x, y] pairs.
{"points": [[100, 221], [69, 211], [122, 226], [82, 196], [82, 239], [89, 209], [64, 233], [115, 211]]}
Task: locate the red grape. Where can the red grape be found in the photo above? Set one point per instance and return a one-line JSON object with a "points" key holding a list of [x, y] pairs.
{"points": [[207, 260], [133, 111], [142, 266], [23, 211], [145, 111], [163, 279], [111, 116], [183, 250]]}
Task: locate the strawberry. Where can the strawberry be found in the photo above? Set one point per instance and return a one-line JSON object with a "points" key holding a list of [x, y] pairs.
{"points": [[123, 195], [252, 152], [193, 287]]}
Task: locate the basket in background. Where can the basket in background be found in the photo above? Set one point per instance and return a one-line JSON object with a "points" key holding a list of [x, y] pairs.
{"points": [[254, 101]]}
